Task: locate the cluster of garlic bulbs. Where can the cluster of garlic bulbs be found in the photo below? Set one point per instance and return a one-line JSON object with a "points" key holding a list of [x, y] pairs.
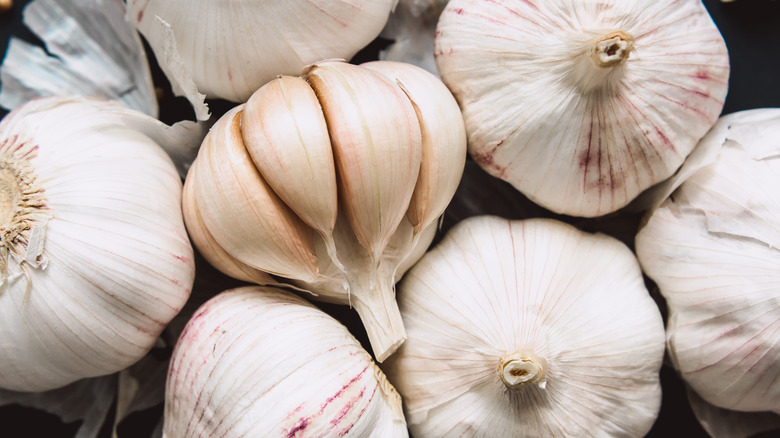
{"points": [[582, 105], [712, 248], [334, 180], [94, 256], [260, 361], [528, 328]]}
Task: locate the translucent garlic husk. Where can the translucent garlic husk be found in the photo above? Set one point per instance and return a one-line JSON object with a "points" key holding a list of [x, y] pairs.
{"points": [[528, 328], [260, 361], [712, 249], [582, 105], [333, 181], [95, 259], [228, 49], [412, 27]]}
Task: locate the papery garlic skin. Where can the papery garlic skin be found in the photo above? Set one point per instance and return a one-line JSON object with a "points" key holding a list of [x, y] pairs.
{"points": [[228, 49], [333, 181], [528, 328], [260, 361], [712, 249], [582, 105], [102, 262]]}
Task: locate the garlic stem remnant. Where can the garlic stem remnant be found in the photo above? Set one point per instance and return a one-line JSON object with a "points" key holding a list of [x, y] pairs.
{"points": [[582, 105], [713, 249], [521, 369], [612, 49], [95, 206], [333, 181], [260, 361], [528, 328]]}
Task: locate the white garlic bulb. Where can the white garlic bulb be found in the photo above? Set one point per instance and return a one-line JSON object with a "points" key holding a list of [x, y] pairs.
{"points": [[95, 259], [712, 249], [528, 328], [259, 361], [334, 181], [228, 49], [582, 105]]}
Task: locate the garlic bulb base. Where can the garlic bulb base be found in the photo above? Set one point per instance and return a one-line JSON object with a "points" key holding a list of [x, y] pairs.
{"points": [[612, 49], [521, 369], [23, 211]]}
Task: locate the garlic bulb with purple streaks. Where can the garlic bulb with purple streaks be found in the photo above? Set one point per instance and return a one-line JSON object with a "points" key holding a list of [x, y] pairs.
{"points": [[528, 328], [94, 257], [260, 361], [713, 250], [582, 105]]}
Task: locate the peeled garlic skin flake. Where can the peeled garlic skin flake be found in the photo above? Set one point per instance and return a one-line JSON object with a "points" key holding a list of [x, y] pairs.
{"points": [[712, 249], [582, 105], [528, 328], [259, 361], [95, 257]]}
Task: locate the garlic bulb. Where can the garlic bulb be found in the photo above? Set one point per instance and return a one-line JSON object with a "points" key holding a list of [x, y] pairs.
{"points": [[334, 181], [582, 105], [712, 249], [528, 328], [95, 259], [259, 361], [228, 49]]}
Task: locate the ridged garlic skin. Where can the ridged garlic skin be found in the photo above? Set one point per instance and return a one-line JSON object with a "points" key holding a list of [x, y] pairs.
{"points": [[107, 262], [260, 361], [333, 181], [571, 306], [582, 105], [712, 249], [231, 48]]}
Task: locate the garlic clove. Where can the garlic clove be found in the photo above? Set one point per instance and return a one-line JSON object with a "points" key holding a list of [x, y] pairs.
{"points": [[259, 361], [582, 106], [209, 248], [285, 133], [443, 139], [242, 213], [377, 146], [528, 328]]}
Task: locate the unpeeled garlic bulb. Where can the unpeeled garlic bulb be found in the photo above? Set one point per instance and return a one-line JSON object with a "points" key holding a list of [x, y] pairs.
{"points": [[260, 361], [228, 49], [95, 259], [333, 181], [528, 328], [582, 105], [712, 249]]}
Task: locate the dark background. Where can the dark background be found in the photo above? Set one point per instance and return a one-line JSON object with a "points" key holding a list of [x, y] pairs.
{"points": [[751, 29]]}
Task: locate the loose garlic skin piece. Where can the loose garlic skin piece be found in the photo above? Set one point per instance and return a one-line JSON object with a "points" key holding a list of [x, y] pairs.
{"points": [[95, 257], [528, 328], [582, 105], [229, 49], [712, 249], [260, 361], [333, 182]]}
